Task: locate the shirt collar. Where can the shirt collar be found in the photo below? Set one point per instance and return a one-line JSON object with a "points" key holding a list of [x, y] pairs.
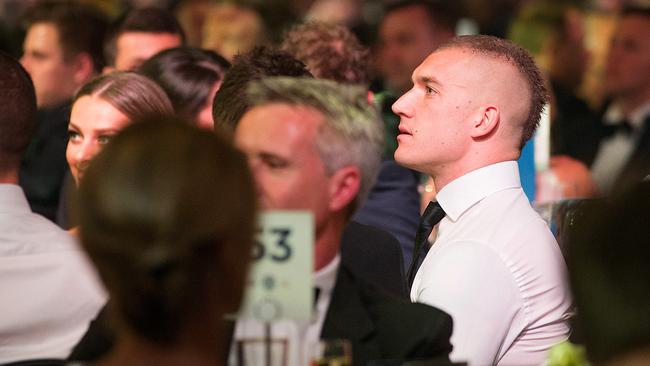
{"points": [[325, 278], [12, 199], [464, 192]]}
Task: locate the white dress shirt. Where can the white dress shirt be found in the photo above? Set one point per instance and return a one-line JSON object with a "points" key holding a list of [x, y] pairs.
{"points": [[291, 341], [615, 151], [49, 290], [497, 270]]}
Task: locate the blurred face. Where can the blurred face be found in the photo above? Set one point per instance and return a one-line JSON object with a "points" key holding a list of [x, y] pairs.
{"points": [[93, 122], [134, 48], [434, 115], [627, 73], [406, 38], [279, 141], [44, 60]]}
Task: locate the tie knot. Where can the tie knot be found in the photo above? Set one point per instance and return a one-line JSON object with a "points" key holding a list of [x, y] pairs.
{"points": [[432, 215], [622, 127]]}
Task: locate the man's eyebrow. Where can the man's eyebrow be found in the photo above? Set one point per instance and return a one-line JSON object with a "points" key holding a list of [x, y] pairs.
{"points": [[425, 79]]}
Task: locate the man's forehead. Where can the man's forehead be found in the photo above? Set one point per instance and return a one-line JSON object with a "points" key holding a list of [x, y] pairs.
{"points": [[439, 62], [43, 37], [43, 30], [286, 112], [284, 121], [461, 60]]}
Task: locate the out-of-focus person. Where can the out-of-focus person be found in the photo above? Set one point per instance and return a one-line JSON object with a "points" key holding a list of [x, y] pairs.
{"points": [[230, 102], [371, 253], [231, 29], [619, 149], [138, 35], [50, 292], [316, 145], [608, 256], [104, 106], [167, 215], [329, 51], [495, 266], [191, 78], [409, 31], [100, 109], [61, 52]]}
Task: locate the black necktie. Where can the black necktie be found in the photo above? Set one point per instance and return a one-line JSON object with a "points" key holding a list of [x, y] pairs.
{"points": [[624, 127], [431, 216]]}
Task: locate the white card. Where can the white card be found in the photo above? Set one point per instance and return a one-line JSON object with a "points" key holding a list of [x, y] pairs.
{"points": [[280, 285]]}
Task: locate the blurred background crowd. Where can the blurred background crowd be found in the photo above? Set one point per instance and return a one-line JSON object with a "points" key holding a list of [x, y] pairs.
{"points": [[595, 55]]}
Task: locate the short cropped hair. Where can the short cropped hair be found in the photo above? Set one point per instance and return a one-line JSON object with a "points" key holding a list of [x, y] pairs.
{"points": [[353, 132], [330, 51], [442, 13], [187, 75], [230, 102], [17, 112], [522, 61], [146, 20], [133, 94], [167, 215], [81, 27]]}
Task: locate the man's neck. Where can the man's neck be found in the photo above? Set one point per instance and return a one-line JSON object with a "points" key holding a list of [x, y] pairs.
{"points": [[441, 179], [328, 241]]}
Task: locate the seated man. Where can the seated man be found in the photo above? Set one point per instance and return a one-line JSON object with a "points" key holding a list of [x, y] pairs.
{"points": [[49, 291], [495, 266], [371, 253], [315, 145]]}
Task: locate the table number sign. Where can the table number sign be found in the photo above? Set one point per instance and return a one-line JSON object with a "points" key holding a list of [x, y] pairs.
{"points": [[280, 281]]}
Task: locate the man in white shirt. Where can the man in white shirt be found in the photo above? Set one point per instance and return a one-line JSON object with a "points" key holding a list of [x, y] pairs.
{"points": [[316, 145], [49, 291], [495, 267]]}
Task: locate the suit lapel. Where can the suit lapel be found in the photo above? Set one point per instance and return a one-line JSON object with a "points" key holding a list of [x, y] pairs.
{"points": [[348, 318]]}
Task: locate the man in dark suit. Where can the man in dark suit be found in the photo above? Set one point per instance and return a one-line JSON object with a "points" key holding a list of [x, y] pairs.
{"points": [[316, 145], [618, 150], [371, 253]]}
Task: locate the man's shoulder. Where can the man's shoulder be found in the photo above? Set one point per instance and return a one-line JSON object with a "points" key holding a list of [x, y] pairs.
{"points": [[30, 233]]}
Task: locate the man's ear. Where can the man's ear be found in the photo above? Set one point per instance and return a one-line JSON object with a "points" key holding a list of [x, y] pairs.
{"points": [[84, 68], [485, 122], [344, 187]]}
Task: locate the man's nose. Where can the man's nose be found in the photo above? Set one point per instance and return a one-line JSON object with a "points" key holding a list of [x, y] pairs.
{"points": [[403, 106]]}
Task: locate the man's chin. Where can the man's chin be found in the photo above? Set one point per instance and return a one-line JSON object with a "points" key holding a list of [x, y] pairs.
{"points": [[402, 159]]}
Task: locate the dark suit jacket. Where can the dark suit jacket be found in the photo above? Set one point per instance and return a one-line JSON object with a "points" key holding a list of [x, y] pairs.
{"points": [[44, 165], [638, 165], [374, 256], [382, 327]]}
